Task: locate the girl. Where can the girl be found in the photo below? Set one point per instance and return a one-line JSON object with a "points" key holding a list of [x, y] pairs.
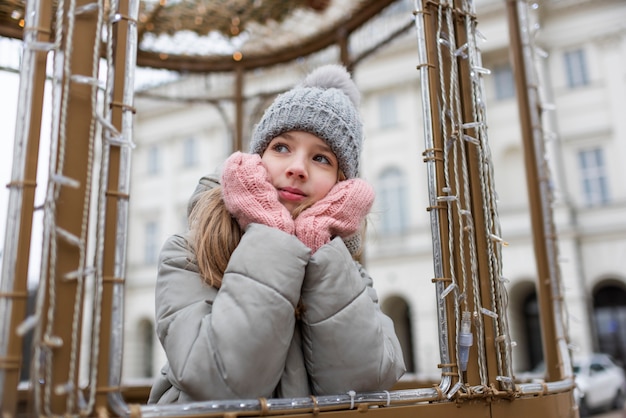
{"points": [[262, 296]]}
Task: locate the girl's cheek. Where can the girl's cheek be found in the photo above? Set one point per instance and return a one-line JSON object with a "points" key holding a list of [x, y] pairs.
{"points": [[269, 173]]}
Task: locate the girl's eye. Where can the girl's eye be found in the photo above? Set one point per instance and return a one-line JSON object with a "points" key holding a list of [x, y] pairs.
{"points": [[278, 147], [322, 159]]}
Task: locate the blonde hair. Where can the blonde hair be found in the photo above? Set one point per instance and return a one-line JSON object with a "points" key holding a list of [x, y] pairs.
{"points": [[215, 234]]}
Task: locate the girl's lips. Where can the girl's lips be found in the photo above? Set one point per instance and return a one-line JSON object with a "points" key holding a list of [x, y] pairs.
{"points": [[289, 193]]}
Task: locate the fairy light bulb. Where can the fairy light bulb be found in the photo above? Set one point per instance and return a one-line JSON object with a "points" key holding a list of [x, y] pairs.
{"points": [[466, 340]]}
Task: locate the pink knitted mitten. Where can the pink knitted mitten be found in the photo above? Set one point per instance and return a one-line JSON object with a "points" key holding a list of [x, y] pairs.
{"points": [[249, 196], [339, 213]]}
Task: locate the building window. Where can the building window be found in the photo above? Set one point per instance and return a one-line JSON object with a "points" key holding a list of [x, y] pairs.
{"points": [[189, 152], [532, 330], [576, 68], [505, 83], [392, 198], [151, 241], [387, 115], [154, 160], [593, 176], [398, 309], [609, 311], [146, 333]]}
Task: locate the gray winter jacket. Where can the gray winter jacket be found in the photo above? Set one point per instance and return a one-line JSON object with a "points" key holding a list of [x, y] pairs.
{"points": [[244, 341]]}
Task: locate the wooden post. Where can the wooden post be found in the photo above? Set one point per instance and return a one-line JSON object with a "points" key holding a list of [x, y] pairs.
{"points": [[544, 233], [13, 361], [65, 322]]}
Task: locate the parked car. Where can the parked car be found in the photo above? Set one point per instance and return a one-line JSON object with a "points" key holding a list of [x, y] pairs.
{"points": [[600, 383]]}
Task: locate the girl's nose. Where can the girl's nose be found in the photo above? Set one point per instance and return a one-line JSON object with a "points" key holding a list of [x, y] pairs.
{"points": [[297, 167]]}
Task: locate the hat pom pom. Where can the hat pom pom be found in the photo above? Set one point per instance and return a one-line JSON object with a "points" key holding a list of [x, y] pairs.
{"points": [[334, 76]]}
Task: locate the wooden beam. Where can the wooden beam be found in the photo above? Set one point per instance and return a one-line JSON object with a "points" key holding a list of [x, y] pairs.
{"points": [[206, 64]]}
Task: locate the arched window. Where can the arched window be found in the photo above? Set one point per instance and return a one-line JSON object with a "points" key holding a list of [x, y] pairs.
{"points": [[399, 311], [146, 335], [392, 192], [609, 311], [532, 330]]}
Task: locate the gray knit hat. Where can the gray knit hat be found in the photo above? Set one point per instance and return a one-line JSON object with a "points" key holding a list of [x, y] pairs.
{"points": [[325, 105]]}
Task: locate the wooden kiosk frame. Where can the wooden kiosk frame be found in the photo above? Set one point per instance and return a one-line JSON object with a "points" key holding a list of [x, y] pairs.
{"points": [[466, 238]]}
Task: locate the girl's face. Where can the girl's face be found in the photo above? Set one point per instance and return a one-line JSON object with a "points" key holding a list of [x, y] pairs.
{"points": [[301, 166]]}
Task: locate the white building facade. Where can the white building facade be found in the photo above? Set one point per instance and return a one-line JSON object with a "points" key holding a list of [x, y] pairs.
{"points": [[584, 76]]}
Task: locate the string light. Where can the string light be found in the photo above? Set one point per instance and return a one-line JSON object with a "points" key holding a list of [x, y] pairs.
{"points": [[466, 340]]}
